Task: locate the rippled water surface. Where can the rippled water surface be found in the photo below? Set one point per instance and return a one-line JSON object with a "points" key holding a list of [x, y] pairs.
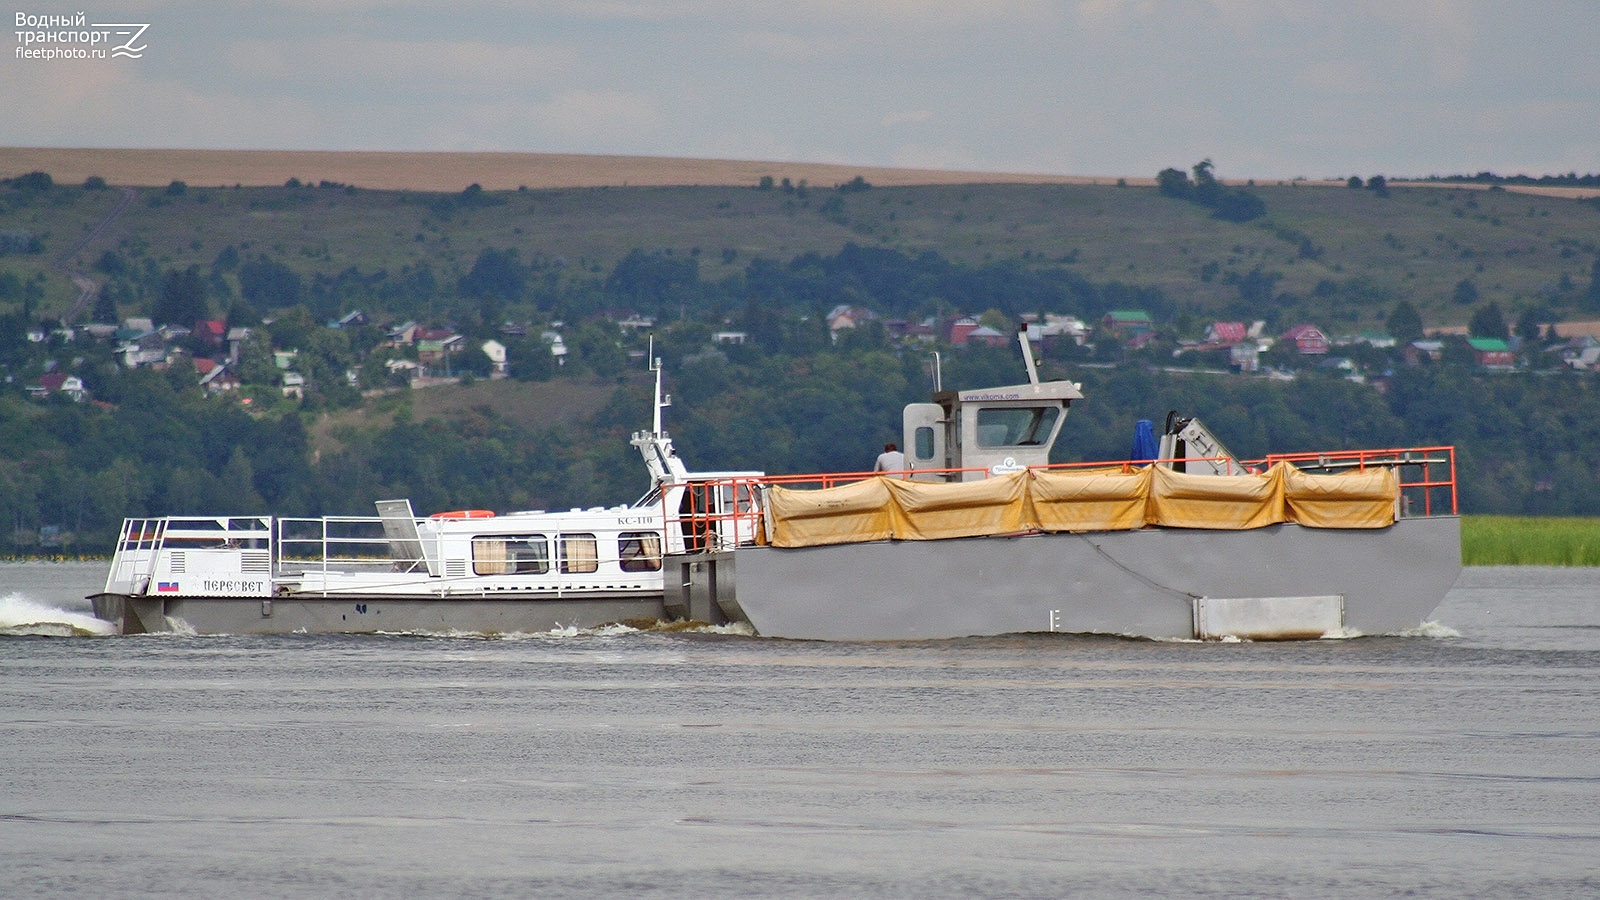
{"points": [[1460, 761]]}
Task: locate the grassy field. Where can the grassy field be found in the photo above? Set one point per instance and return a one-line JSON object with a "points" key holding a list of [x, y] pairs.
{"points": [[414, 171], [1518, 541], [567, 404], [1518, 249]]}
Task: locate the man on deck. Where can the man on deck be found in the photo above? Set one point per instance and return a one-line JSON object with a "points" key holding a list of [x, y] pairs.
{"points": [[890, 460]]}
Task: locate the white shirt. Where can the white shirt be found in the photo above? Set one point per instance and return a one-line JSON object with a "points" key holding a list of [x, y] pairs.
{"points": [[890, 461]]}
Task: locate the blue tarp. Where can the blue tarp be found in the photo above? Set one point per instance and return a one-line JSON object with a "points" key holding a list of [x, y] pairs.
{"points": [[1145, 446]]}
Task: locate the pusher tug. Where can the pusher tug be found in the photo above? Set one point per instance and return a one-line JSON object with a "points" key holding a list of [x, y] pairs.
{"points": [[463, 571]]}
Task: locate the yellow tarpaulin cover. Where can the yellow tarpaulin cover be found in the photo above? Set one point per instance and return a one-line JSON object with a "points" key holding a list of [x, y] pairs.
{"points": [[1236, 502], [1089, 500], [860, 511], [1364, 499], [965, 509], [881, 508]]}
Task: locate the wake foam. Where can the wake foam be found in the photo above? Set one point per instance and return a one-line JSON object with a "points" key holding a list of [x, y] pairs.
{"points": [[22, 616], [611, 629], [1430, 630]]}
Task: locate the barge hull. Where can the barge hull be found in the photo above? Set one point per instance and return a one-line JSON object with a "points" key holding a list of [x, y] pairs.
{"points": [[1143, 583]]}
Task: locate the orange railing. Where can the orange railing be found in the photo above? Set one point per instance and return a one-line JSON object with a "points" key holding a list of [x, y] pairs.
{"points": [[718, 514], [1425, 472], [1427, 477]]}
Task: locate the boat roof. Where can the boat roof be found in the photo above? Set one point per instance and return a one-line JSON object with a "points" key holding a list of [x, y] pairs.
{"points": [[1044, 390]]}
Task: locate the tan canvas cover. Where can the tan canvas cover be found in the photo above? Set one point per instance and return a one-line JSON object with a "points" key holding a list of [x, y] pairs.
{"points": [[1182, 500], [881, 508], [859, 511], [964, 509], [1089, 500], [1362, 499]]}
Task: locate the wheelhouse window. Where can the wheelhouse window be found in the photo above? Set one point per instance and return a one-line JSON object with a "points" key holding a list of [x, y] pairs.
{"points": [[1015, 426], [639, 551], [510, 554], [579, 553]]}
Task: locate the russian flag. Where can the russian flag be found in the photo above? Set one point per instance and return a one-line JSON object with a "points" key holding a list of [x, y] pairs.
{"points": [[163, 587]]}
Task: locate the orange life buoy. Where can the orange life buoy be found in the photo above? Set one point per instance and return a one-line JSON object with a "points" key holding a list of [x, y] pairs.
{"points": [[464, 514]]}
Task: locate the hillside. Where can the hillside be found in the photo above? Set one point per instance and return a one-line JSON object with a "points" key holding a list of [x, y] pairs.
{"points": [[1340, 256], [763, 263]]}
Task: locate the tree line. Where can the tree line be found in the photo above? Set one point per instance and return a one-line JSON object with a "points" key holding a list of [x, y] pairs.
{"points": [[70, 472]]}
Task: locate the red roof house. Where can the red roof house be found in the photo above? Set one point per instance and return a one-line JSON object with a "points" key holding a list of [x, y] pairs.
{"points": [[1307, 339]]}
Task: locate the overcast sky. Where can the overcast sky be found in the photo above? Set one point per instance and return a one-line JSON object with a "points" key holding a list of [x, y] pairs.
{"points": [[1265, 88]]}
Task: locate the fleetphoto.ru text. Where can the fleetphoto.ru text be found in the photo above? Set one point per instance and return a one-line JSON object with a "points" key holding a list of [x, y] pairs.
{"points": [[53, 37]]}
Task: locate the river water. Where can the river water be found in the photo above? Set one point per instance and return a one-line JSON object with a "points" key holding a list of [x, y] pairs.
{"points": [[1460, 761]]}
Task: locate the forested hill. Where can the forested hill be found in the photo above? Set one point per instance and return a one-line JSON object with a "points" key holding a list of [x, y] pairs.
{"points": [[608, 268]]}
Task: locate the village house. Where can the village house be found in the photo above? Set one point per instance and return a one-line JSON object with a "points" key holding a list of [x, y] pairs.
{"points": [[956, 330], [215, 377], [436, 351], [1418, 351], [496, 352], [558, 347], [1127, 323], [1308, 340], [402, 335], [403, 369], [845, 316], [236, 339], [1492, 353], [984, 336], [1581, 353], [1245, 356], [1055, 329], [901, 329], [52, 383], [211, 333], [1222, 334]]}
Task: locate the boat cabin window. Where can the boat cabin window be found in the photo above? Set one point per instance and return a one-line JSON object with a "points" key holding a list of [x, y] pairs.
{"points": [[510, 554], [639, 551], [579, 553], [923, 442], [1016, 426]]}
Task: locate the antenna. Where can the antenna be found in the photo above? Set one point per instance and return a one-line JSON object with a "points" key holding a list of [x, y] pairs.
{"points": [[653, 364], [938, 373]]}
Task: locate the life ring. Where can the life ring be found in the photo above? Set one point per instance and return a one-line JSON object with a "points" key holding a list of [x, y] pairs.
{"points": [[464, 514]]}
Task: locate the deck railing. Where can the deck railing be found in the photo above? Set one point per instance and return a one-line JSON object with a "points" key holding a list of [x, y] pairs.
{"points": [[1427, 474], [1427, 480], [148, 546]]}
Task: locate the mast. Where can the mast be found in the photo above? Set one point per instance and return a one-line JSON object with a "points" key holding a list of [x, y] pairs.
{"points": [[1027, 352], [655, 445]]}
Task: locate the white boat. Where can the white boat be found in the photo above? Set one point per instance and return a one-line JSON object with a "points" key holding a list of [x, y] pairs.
{"points": [[982, 536], [459, 571]]}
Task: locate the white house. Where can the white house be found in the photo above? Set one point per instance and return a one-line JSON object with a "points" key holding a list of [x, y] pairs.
{"points": [[496, 352]]}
